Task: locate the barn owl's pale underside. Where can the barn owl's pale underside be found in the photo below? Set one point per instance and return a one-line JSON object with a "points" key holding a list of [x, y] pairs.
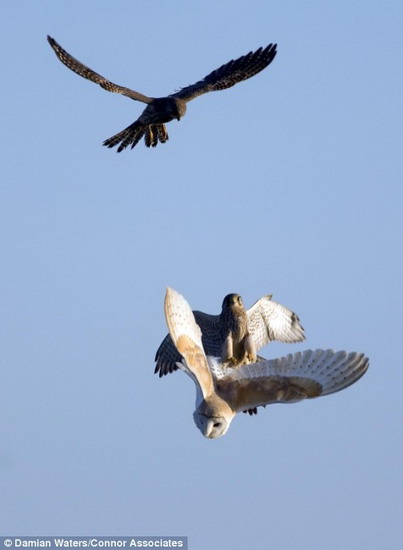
{"points": [[222, 392], [160, 110]]}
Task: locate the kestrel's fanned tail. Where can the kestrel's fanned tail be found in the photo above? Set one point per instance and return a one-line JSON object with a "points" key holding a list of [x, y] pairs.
{"points": [[129, 136], [153, 134]]}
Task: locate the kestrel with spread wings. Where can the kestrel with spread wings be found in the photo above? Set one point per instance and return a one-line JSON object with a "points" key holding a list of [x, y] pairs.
{"points": [[222, 392], [236, 334], [160, 110]]}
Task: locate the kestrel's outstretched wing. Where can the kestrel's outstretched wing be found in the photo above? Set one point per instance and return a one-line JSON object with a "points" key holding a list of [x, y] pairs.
{"points": [[167, 355], [88, 73], [231, 73], [268, 321], [288, 379]]}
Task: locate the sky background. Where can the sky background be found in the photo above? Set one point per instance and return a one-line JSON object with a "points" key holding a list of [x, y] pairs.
{"points": [[289, 183]]}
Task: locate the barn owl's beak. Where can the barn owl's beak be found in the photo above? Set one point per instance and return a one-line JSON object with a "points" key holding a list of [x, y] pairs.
{"points": [[211, 427]]}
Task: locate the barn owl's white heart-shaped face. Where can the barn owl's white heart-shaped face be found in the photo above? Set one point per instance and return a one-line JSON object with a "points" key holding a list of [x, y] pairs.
{"points": [[213, 416], [211, 427]]}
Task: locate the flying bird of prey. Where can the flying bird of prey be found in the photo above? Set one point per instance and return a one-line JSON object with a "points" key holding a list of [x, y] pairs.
{"points": [[222, 392], [236, 334], [159, 110]]}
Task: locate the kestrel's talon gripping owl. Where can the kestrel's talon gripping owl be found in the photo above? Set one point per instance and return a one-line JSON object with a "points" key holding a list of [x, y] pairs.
{"points": [[160, 110], [246, 352]]}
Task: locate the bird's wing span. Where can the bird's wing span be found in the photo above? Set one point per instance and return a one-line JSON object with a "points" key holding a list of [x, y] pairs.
{"points": [[268, 320], [84, 71], [167, 355], [186, 336], [288, 379], [231, 73]]}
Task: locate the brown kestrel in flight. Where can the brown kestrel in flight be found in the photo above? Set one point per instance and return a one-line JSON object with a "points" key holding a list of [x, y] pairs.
{"points": [[159, 110]]}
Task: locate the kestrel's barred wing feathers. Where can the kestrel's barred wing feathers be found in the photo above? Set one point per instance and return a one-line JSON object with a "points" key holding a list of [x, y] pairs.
{"points": [[269, 320], [230, 74], [209, 325], [288, 379], [84, 71], [167, 355]]}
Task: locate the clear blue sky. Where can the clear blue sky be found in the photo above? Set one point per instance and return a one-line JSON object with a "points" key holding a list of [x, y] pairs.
{"points": [[289, 183]]}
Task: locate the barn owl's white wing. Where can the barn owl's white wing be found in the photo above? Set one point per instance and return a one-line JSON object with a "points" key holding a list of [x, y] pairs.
{"points": [[212, 415], [268, 320], [186, 336], [288, 379]]}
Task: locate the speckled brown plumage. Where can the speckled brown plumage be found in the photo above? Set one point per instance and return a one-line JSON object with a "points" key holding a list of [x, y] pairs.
{"points": [[159, 111]]}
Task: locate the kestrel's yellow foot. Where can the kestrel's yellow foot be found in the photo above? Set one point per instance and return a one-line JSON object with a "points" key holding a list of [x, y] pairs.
{"points": [[251, 358], [229, 361]]}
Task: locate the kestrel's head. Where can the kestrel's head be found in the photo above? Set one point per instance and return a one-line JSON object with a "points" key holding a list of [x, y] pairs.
{"points": [[176, 108], [213, 417], [232, 301]]}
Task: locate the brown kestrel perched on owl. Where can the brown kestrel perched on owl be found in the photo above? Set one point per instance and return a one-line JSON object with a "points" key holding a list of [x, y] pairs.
{"points": [[159, 110], [223, 391], [236, 334], [238, 346]]}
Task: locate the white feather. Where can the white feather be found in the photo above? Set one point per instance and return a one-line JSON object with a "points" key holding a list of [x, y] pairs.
{"points": [[180, 318], [332, 370]]}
